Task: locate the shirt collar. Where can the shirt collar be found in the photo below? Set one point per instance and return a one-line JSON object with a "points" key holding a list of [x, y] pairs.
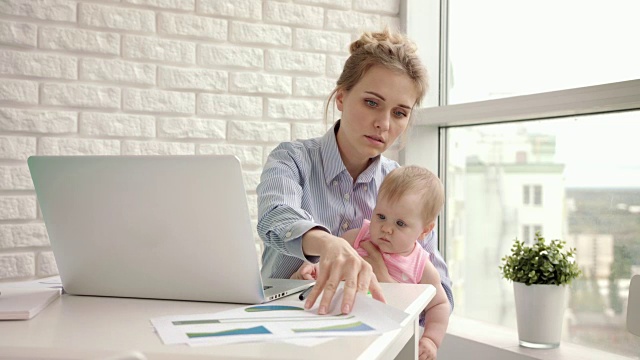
{"points": [[332, 161], [373, 171]]}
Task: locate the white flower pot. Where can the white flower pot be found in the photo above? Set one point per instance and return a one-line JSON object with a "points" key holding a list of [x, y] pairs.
{"points": [[539, 312]]}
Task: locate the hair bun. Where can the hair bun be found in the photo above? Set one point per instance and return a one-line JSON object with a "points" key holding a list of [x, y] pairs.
{"points": [[385, 39]]}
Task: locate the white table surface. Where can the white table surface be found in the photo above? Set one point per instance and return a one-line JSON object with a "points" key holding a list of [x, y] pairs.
{"points": [[86, 327]]}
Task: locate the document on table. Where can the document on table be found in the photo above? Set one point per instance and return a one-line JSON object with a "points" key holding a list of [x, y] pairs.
{"points": [[48, 282], [23, 300], [20, 303], [279, 321]]}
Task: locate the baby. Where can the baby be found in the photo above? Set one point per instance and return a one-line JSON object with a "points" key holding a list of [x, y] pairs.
{"points": [[408, 203]]}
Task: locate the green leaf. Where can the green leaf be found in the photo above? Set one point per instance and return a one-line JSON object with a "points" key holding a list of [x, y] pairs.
{"points": [[540, 263]]}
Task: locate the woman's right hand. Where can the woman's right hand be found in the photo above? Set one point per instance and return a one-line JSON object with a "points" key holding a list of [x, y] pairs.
{"points": [[338, 261]]}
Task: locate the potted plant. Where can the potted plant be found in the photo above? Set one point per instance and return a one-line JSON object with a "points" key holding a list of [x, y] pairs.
{"points": [[540, 275]]}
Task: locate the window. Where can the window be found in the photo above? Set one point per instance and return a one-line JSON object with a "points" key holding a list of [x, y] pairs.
{"points": [[593, 200], [558, 159], [537, 195], [501, 48], [537, 229], [526, 234], [532, 192], [526, 189], [529, 233]]}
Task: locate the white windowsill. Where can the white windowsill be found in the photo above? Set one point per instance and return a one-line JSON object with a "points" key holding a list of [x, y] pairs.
{"points": [[467, 338]]}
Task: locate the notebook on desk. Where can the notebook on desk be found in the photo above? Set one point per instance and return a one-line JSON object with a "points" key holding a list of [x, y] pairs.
{"points": [[24, 303], [161, 227]]}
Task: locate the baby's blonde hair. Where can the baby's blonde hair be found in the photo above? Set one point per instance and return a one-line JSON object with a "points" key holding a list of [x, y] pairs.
{"points": [[393, 51], [414, 179]]}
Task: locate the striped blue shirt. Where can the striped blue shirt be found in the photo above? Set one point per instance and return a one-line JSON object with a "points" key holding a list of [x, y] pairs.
{"points": [[305, 185]]}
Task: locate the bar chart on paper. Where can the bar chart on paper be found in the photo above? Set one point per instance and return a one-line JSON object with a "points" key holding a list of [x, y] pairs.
{"points": [[285, 320]]}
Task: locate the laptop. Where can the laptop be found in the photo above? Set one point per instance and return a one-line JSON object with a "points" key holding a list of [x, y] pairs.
{"points": [[157, 227]]}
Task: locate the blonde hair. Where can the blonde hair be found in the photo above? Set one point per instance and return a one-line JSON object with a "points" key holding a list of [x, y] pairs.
{"points": [[393, 51], [415, 179]]}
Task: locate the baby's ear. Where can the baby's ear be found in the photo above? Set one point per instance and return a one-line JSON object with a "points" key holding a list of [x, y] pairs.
{"points": [[428, 229]]}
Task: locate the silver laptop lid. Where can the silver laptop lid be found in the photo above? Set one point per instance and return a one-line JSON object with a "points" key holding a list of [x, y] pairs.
{"points": [[166, 227]]}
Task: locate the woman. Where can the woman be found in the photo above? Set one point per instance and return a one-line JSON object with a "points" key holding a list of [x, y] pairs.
{"points": [[312, 191]]}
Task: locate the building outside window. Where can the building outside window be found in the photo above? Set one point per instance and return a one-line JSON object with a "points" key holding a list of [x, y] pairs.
{"points": [[537, 195], [529, 232], [531, 122], [532, 194], [537, 229]]}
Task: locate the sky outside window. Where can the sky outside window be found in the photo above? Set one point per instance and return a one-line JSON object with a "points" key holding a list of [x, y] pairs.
{"points": [[502, 48]]}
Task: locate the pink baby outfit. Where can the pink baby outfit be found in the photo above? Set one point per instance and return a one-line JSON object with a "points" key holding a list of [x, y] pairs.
{"points": [[405, 269]]}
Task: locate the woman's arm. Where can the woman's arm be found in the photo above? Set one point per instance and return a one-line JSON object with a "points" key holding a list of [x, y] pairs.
{"points": [[281, 219], [288, 229]]}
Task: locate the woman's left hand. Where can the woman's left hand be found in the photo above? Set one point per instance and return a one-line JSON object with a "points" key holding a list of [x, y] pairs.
{"points": [[307, 271], [377, 262]]}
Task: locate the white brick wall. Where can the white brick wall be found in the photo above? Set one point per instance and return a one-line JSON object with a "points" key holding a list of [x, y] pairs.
{"points": [[31, 64], [195, 26], [80, 95], [13, 33], [260, 34], [238, 9], [148, 77], [117, 71], [80, 40], [95, 15], [223, 56]]}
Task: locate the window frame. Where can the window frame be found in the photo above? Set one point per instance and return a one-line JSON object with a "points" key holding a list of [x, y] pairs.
{"points": [[526, 194], [537, 195], [588, 100], [532, 195]]}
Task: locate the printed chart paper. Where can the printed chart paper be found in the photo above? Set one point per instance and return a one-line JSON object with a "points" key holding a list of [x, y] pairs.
{"points": [[280, 320]]}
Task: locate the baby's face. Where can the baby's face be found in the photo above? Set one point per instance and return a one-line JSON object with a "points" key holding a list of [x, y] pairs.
{"points": [[395, 226]]}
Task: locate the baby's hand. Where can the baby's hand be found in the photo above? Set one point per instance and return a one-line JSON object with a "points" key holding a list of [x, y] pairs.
{"points": [[307, 271], [427, 349], [376, 261]]}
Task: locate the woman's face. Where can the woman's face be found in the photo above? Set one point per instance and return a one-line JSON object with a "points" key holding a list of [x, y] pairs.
{"points": [[374, 113]]}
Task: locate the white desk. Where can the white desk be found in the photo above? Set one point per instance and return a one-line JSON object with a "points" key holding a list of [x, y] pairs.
{"points": [[84, 327]]}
